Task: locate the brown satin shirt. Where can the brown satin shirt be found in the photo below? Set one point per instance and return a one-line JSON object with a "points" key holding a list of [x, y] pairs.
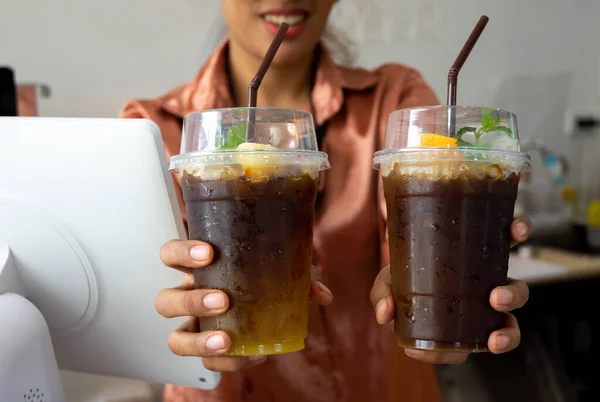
{"points": [[348, 357]]}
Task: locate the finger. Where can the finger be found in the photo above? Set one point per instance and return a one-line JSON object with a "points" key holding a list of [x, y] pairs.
{"points": [[183, 254], [520, 230], [428, 356], [381, 297], [505, 339], [320, 293], [232, 363], [188, 341], [207, 343], [182, 302], [510, 297]]}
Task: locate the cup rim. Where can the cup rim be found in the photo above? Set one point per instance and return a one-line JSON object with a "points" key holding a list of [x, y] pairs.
{"points": [[454, 107], [384, 155], [318, 158], [268, 109], [493, 151]]}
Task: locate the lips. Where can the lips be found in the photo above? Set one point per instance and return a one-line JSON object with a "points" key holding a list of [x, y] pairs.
{"points": [[279, 19], [295, 18]]}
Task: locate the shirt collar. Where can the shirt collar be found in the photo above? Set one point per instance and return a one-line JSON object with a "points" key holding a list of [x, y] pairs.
{"points": [[210, 88]]}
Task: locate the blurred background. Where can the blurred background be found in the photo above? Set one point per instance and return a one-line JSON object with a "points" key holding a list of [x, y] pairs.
{"points": [[538, 58]]}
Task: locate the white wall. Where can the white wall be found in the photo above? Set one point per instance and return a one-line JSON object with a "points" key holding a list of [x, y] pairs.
{"points": [[523, 37], [537, 58], [97, 54]]}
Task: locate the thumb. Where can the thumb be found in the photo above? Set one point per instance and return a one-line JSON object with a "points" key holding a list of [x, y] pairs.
{"points": [[381, 297], [318, 291]]}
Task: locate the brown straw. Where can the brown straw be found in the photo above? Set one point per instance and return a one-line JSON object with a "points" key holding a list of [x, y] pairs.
{"points": [[462, 58], [455, 69], [260, 74]]}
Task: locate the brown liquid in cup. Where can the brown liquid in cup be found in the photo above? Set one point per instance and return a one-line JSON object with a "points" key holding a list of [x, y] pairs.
{"points": [[449, 248], [261, 231]]}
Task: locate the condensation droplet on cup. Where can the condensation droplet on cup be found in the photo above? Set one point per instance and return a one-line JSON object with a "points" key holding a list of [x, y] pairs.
{"points": [[485, 251]]}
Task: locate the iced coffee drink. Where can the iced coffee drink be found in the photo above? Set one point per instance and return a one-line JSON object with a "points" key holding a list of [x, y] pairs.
{"points": [[450, 202], [253, 201]]}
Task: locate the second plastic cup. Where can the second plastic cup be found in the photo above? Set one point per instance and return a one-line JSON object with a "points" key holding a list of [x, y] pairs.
{"points": [[450, 201], [253, 200]]}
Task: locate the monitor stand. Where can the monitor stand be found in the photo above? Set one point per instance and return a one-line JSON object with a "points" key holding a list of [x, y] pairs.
{"points": [[48, 266], [28, 368]]}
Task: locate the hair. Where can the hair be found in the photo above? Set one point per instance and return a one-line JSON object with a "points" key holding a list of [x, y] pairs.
{"points": [[342, 48]]}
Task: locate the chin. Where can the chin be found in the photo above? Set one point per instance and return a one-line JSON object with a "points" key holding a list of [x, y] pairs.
{"points": [[290, 53]]}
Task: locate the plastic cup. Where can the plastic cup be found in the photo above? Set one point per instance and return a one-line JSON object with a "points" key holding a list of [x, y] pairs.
{"points": [[450, 202], [254, 203]]}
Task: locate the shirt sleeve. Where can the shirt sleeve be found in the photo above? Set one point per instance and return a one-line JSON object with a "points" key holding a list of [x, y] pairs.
{"points": [[131, 110], [416, 92]]}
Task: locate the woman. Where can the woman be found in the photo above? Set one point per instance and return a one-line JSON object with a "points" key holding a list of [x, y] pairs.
{"points": [[350, 353]]}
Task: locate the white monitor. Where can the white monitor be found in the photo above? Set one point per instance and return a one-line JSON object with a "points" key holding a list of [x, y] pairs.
{"points": [[85, 205]]}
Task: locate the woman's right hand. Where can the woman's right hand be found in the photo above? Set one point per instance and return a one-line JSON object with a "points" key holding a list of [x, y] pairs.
{"points": [[185, 301]]}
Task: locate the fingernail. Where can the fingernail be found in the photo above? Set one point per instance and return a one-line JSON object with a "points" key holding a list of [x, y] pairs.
{"points": [[502, 342], [522, 228], [380, 308], [324, 288], [505, 296], [414, 352], [199, 253], [215, 342], [214, 301], [257, 359]]}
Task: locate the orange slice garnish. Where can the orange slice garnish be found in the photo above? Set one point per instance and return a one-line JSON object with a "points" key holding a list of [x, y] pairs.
{"points": [[437, 140]]}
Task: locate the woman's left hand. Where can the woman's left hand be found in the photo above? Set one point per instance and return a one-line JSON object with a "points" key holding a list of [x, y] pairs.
{"points": [[503, 298]]}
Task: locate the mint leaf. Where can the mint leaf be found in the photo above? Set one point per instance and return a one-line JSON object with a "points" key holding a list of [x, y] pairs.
{"points": [[488, 123], [487, 111], [464, 130], [506, 130], [235, 136]]}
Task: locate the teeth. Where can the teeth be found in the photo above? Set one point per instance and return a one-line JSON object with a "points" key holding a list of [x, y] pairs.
{"points": [[280, 19]]}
